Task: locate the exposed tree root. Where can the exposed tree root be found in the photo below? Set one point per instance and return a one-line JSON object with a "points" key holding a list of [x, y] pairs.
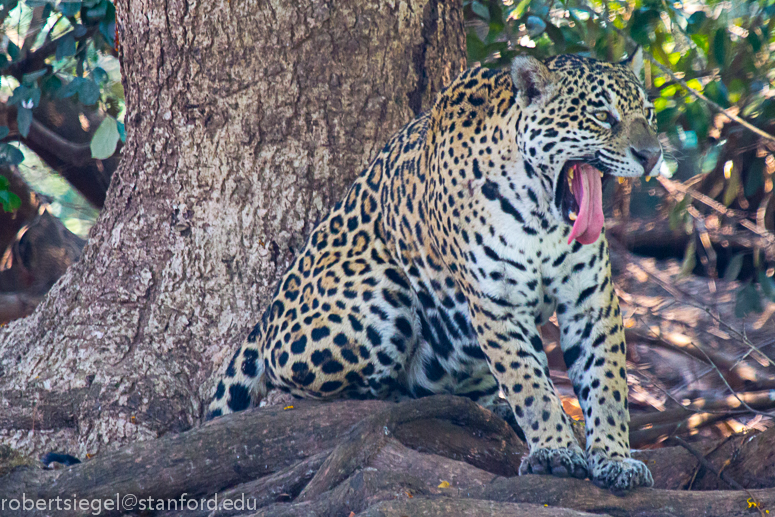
{"points": [[364, 458]]}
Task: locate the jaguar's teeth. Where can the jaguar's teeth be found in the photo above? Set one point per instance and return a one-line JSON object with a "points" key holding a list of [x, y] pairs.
{"points": [[572, 216], [621, 180], [570, 172], [648, 178], [601, 173]]}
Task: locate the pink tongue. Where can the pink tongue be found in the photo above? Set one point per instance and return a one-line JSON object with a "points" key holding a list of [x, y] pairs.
{"points": [[589, 195]]}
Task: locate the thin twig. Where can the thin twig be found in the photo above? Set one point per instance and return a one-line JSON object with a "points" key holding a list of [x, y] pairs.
{"points": [[739, 334], [726, 383], [755, 348], [702, 230], [671, 186], [703, 98], [766, 240], [711, 451], [705, 463], [721, 475], [721, 406]]}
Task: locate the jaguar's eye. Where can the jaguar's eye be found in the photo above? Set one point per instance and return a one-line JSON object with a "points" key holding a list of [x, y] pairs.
{"points": [[605, 117]]}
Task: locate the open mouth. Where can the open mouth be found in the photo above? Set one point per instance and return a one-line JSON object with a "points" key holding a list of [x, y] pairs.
{"points": [[579, 198]]}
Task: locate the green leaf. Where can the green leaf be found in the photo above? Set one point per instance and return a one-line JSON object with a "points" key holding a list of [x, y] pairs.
{"points": [[755, 42], [734, 267], [475, 47], [13, 51], [480, 10], [690, 259], [9, 5], [31, 78], [79, 30], [701, 40], [720, 46], [10, 201], [558, 38], [66, 46], [24, 120], [4, 183], [732, 188], [105, 139], [108, 31], [69, 8], [642, 25], [10, 155], [99, 75], [71, 88], [666, 119], [747, 301], [51, 85], [699, 119], [540, 8], [710, 160], [121, 131], [690, 140], [47, 8], [26, 96], [3, 132], [678, 213], [535, 26], [519, 10], [717, 92], [97, 12], [695, 22], [767, 284], [754, 177], [89, 92]]}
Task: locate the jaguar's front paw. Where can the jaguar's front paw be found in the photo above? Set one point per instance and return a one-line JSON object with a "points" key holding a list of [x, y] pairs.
{"points": [[620, 475], [564, 462]]}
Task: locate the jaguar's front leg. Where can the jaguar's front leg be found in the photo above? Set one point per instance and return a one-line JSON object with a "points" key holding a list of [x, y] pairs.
{"points": [[516, 358], [592, 340]]}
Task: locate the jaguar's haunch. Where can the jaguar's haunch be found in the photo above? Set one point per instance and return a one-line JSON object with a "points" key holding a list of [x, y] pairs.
{"points": [[474, 224]]}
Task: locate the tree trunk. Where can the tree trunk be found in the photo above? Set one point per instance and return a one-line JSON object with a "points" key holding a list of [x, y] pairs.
{"points": [[246, 119]]}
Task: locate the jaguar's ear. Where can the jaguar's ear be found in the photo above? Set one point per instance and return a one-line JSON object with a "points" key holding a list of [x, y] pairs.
{"points": [[635, 62], [532, 79]]}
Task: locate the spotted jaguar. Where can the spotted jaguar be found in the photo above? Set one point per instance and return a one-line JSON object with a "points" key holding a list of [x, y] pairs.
{"points": [[476, 223]]}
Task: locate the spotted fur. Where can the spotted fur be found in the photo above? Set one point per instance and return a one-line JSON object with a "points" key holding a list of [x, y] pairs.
{"points": [[433, 272]]}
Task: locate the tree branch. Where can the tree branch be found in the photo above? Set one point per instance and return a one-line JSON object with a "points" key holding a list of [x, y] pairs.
{"points": [[37, 59]]}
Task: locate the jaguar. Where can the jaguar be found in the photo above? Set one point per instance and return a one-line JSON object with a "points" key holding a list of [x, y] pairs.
{"points": [[476, 223]]}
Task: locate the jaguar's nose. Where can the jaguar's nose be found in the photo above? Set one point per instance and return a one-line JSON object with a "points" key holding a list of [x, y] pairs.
{"points": [[647, 157]]}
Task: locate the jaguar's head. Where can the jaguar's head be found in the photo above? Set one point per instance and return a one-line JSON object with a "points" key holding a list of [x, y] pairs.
{"points": [[582, 121]]}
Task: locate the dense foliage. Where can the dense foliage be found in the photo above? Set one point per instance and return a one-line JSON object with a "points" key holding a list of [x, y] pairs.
{"points": [[54, 50]]}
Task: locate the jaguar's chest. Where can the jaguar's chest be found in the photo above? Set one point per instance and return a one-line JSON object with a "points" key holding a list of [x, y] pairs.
{"points": [[503, 261]]}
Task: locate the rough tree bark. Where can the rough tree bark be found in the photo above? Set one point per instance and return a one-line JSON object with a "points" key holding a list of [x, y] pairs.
{"points": [[245, 121]]}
